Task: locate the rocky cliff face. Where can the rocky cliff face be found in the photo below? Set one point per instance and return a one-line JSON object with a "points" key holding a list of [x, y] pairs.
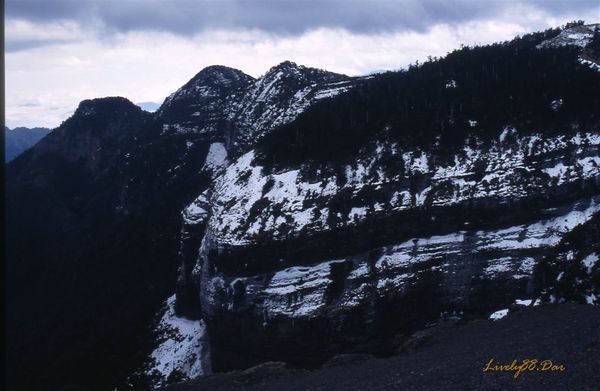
{"points": [[303, 258], [344, 264]]}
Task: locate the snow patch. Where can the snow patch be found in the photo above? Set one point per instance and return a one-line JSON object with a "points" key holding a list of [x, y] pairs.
{"points": [[556, 104], [499, 314], [451, 84], [526, 302], [501, 265], [509, 130], [180, 347], [590, 261], [195, 213], [216, 159], [593, 65]]}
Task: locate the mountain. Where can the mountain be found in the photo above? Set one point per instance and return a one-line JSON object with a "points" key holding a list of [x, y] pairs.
{"points": [[301, 215], [20, 139], [94, 216], [231, 105], [438, 190]]}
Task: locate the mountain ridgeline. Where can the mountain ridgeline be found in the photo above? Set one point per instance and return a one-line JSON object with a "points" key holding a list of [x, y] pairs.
{"points": [[18, 140], [430, 105], [302, 214]]}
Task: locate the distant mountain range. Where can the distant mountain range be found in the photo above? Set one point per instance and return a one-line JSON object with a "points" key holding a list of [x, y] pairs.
{"points": [[18, 140]]}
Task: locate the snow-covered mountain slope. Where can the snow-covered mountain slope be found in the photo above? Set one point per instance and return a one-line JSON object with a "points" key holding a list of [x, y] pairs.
{"points": [[254, 263], [101, 186], [349, 301], [248, 203], [347, 227], [580, 35], [236, 109], [302, 291], [279, 96]]}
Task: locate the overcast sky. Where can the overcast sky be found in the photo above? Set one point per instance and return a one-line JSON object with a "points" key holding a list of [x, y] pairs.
{"points": [[59, 52]]}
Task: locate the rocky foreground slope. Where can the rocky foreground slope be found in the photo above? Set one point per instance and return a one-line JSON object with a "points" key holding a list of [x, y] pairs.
{"points": [[451, 356]]}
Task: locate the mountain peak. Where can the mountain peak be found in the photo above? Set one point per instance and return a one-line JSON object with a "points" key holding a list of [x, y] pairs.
{"points": [[107, 105], [288, 65], [220, 75], [289, 69], [212, 82]]}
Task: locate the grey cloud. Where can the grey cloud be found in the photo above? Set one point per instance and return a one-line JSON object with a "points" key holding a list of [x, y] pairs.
{"points": [[556, 7], [186, 17], [16, 46]]}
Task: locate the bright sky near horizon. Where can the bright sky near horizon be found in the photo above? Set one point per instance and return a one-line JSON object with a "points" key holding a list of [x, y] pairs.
{"points": [[61, 52]]}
